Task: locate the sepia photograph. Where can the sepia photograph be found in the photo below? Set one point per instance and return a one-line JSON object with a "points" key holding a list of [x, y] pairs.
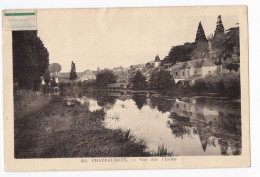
{"points": [[127, 82]]}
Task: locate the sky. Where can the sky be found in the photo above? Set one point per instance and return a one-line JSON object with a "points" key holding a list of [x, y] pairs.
{"points": [[108, 38]]}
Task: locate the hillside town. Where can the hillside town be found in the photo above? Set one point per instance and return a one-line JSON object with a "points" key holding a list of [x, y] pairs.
{"points": [[206, 56]]}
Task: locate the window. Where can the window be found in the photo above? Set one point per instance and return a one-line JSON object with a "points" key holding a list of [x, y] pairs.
{"points": [[183, 73], [176, 73], [195, 72], [177, 106]]}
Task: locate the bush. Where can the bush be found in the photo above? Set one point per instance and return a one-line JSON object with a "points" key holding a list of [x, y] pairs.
{"points": [[227, 84]]}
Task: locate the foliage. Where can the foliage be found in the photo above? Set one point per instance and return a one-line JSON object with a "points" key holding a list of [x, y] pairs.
{"points": [[139, 81], [104, 78], [53, 82], [228, 85], [180, 53], [200, 36], [47, 76], [219, 27], [232, 44], [73, 74], [161, 81], [54, 67], [30, 59]]}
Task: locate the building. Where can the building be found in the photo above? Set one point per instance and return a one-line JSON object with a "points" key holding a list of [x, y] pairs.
{"points": [[157, 61], [187, 72], [87, 75], [63, 77], [116, 86]]}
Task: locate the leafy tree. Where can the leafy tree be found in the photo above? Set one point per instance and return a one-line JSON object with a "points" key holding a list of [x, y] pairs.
{"points": [[219, 27], [30, 59], [139, 81], [161, 81], [54, 67], [231, 43], [180, 53], [47, 76], [104, 78], [73, 74]]}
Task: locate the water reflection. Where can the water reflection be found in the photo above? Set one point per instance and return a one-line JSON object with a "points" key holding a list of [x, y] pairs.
{"points": [[140, 100], [187, 126]]}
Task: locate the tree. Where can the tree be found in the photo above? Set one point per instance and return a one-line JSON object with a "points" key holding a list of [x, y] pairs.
{"points": [[200, 36], [104, 78], [201, 43], [161, 81], [47, 76], [73, 74], [231, 43], [180, 53], [54, 67], [30, 59], [139, 81], [219, 27]]}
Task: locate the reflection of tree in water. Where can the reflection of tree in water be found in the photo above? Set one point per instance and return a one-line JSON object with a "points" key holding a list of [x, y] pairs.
{"points": [[228, 129], [180, 126], [229, 123], [162, 104], [104, 100], [140, 100]]}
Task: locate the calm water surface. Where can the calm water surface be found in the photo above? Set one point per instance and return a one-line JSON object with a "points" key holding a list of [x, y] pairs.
{"points": [[186, 126]]}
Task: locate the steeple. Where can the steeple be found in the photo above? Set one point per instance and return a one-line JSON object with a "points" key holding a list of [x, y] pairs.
{"points": [[157, 58]]}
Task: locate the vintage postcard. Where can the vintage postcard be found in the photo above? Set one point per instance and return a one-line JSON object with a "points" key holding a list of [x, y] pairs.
{"points": [[126, 88]]}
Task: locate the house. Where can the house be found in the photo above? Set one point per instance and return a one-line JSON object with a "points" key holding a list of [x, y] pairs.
{"points": [[187, 72], [63, 77], [116, 86], [157, 61], [87, 75]]}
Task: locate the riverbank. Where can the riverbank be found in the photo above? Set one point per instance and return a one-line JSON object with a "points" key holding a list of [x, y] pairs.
{"points": [[58, 130]]}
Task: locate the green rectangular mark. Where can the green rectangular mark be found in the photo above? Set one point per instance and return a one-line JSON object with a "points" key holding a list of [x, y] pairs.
{"points": [[19, 14]]}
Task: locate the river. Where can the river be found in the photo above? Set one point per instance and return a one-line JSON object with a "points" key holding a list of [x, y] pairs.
{"points": [[186, 126]]}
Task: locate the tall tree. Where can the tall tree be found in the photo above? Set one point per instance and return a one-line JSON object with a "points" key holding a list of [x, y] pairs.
{"points": [[200, 36], [219, 26], [73, 74], [30, 59], [139, 81]]}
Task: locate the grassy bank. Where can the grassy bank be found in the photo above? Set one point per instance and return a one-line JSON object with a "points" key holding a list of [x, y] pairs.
{"points": [[58, 130]]}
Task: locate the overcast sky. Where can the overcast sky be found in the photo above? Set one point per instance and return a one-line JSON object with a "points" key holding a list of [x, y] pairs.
{"points": [[119, 37]]}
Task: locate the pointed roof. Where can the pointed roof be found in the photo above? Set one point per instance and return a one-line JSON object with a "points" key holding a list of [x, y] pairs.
{"points": [[157, 58]]}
